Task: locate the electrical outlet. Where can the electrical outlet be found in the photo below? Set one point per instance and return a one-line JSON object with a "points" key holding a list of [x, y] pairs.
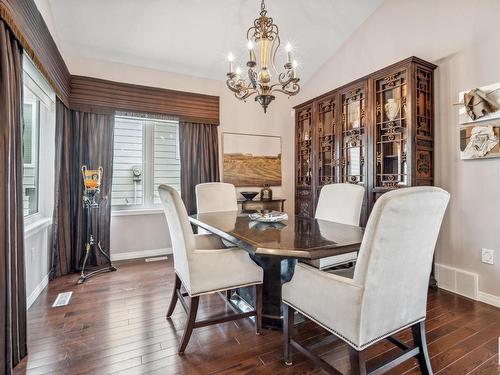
{"points": [[487, 256]]}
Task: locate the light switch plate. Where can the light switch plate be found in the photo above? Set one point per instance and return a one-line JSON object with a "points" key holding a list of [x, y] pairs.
{"points": [[487, 256]]}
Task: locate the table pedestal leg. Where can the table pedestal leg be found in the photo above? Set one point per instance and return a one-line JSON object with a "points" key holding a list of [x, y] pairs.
{"points": [[276, 272]]}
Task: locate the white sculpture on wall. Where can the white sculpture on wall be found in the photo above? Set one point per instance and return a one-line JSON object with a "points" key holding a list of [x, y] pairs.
{"points": [[482, 140]]}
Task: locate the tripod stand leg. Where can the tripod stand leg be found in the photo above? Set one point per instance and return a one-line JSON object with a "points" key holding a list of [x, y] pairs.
{"points": [[112, 268], [82, 274]]}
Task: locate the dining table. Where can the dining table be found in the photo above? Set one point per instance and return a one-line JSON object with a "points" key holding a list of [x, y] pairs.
{"points": [[277, 247]]}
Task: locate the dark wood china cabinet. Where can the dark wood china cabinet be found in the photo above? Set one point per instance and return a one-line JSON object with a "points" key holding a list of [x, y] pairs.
{"points": [[376, 131]]}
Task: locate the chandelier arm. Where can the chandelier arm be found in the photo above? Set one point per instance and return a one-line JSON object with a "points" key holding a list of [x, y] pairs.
{"points": [[248, 93], [290, 89]]}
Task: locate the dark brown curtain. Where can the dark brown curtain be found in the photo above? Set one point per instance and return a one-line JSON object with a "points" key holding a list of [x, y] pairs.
{"points": [[12, 283], [199, 151], [82, 138]]}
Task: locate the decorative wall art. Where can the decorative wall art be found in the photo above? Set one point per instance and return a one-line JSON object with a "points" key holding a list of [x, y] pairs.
{"points": [[479, 135], [480, 141], [251, 160], [479, 104]]}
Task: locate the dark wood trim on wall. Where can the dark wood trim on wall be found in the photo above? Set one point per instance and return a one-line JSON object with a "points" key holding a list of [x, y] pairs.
{"points": [[27, 24], [102, 96]]}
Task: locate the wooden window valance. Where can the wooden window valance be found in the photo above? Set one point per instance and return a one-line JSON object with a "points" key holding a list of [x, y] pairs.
{"points": [[102, 96], [29, 28]]}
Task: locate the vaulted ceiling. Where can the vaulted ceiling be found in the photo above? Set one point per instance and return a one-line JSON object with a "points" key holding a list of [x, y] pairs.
{"points": [[194, 36]]}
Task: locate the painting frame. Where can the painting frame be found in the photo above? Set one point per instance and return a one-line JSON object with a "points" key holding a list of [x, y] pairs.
{"points": [[259, 156]]}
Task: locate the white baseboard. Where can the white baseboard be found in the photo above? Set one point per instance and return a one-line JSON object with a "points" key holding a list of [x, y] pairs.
{"points": [[490, 299], [463, 282], [37, 291], [140, 254]]}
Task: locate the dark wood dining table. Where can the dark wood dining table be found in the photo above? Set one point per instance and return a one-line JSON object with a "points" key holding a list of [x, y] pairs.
{"points": [[277, 247]]}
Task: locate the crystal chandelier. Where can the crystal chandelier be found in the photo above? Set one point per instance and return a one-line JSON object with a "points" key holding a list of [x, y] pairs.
{"points": [[263, 41]]}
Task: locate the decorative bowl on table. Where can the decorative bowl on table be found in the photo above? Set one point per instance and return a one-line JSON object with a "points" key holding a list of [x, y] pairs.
{"points": [[269, 216], [249, 195]]}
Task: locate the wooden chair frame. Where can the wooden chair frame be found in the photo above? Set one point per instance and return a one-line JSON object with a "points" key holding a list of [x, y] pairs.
{"points": [[357, 359], [192, 309]]}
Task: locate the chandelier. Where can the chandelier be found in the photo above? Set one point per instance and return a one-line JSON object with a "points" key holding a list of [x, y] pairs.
{"points": [[263, 41]]}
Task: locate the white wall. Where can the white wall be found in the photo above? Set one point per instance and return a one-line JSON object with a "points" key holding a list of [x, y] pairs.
{"points": [[37, 234], [461, 37], [148, 232]]}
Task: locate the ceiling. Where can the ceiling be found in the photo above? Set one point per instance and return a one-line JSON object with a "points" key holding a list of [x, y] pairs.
{"points": [[194, 36]]}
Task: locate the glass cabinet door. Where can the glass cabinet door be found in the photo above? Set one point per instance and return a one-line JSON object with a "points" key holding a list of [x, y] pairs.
{"points": [[304, 151], [391, 130], [326, 142], [353, 136]]}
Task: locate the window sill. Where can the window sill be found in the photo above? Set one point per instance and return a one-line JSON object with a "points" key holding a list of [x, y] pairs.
{"points": [[144, 211], [37, 226]]}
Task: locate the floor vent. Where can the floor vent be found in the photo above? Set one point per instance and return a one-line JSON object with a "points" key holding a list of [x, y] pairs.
{"points": [[62, 299], [155, 259]]}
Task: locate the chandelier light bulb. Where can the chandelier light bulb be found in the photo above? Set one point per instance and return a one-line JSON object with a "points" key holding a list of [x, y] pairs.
{"points": [[250, 44], [238, 71], [288, 47], [230, 59], [295, 64]]}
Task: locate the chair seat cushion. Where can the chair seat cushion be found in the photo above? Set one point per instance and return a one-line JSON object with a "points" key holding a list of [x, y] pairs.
{"points": [[330, 300], [332, 261], [222, 269]]}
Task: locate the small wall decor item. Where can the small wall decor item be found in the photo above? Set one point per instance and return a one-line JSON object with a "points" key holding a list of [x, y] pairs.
{"points": [[479, 104], [251, 160], [479, 141]]}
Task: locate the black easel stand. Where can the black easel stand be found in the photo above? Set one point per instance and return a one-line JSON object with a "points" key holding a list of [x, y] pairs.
{"points": [[90, 204]]}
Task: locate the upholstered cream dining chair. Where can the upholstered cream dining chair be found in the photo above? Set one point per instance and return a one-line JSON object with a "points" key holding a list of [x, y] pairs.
{"points": [[202, 266], [388, 292], [215, 197], [340, 203]]}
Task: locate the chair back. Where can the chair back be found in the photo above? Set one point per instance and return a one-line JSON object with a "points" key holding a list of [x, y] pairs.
{"points": [[395, 258], [181, 233], [215, 197], [340, 203]]}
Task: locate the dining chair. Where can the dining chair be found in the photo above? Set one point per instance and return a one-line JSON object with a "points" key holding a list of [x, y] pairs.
{"points": [[203, 267], [216, 197], [388, 292], [340, 203]]}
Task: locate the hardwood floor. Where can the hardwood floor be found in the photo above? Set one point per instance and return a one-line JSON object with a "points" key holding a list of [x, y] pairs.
{"points": [[115, 323]]}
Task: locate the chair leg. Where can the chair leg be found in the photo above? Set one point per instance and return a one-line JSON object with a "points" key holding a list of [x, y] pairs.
{"points": [[193, 309], [288, 320], [424, 362], [258, 309], [173, 300], [358, 363]]}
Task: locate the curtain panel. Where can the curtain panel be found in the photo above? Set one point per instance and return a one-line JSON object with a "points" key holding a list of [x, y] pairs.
{"points": [[82, 138], [199, 151], [12, 282]]}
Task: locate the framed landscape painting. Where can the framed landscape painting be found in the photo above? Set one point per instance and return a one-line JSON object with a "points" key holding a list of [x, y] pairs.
{"points": [[251, 160]]}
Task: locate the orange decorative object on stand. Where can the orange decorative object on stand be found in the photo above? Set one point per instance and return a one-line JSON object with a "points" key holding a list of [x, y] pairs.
{"points": [[92, 184]]}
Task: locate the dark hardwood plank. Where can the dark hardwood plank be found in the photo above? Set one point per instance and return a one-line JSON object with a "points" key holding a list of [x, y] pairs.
{"points": [[116, 323]]}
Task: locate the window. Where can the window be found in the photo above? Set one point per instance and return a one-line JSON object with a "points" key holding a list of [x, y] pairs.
{"points": [[31, 115], [146, 154]]}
